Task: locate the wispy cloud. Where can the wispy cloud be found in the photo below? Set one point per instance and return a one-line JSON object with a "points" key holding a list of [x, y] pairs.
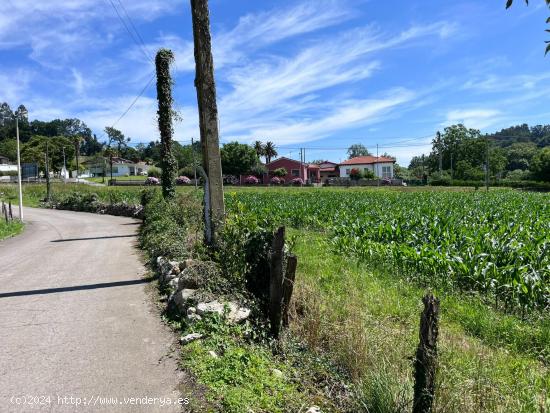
{"points": [[478, 118]]}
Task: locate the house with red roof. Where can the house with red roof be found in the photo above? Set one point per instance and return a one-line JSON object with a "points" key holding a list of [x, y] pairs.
{"points": [[381, 166], [295, 169]]}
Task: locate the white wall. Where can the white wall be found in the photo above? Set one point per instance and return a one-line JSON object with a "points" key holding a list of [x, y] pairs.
{"points": [[376, 168], [7, 168]]}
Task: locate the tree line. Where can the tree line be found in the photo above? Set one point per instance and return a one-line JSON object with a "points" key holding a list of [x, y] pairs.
{"points": [[516, 153]]}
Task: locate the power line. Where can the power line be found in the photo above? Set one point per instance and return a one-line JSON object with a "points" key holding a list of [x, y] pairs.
{"points": [[135, 100], [130, 32], [135, 29]]}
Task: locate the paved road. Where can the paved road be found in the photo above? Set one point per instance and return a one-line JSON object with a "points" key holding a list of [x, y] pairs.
{"points": [[76, 320]]}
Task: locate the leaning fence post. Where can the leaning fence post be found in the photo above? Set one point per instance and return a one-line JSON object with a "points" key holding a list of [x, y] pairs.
{"points": [[10, 210], [426, 356], [5, 210], [276, 276]]}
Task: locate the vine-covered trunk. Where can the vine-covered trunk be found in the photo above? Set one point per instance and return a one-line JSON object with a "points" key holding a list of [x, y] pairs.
{"points": [[164, 96], [208, 115]]}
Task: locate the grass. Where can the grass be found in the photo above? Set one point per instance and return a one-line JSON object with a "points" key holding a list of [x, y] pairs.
{"points": [[118, 178], [10, 229], [367, 320]]}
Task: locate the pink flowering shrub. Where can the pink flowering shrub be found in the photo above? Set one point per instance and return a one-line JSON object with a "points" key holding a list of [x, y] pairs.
{"points": [[251, 180], [297, 181], [183, 180], [275, 180], [152, 181]]}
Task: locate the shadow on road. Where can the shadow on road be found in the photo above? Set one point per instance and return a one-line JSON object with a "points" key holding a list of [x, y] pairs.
{"points": [[73, 288], [93, 238]]}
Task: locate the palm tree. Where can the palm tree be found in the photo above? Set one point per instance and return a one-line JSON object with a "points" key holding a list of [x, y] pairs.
{"points": [[259, 148], [269, 151]]}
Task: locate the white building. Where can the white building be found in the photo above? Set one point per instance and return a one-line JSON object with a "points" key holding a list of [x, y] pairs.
{"points": [[6, 166], [381, 166], [121, 167]]}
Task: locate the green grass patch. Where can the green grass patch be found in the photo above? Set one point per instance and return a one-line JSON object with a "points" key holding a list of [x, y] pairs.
{"points": [[367, 320], [10, 229]]}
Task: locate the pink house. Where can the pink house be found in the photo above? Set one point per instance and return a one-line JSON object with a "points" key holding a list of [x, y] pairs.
{"points": [[295, 169]]}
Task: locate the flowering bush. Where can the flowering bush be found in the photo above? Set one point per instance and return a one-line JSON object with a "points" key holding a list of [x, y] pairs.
{"points": [[355, 174], [297, 181], [152, 181], [230, 180], [276, 180], [183, 180], [251, 180]]}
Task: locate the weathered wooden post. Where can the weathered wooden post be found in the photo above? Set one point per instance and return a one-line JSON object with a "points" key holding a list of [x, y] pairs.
{"points": [[208, 116], [276, 278], [281, 282], [47, 165], [10, 210], [426, 356], [5, 211]]}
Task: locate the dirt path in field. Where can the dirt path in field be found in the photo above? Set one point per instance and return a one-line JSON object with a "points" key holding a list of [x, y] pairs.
{"points": [[79, 332]]}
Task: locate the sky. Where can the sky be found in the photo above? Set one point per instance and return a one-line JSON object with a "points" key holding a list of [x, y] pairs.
{"points": [[313, 74]]}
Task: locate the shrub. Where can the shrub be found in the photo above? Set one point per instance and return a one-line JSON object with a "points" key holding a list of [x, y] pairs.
{"points": [[440, 179], [154, 172], [275, 180], [280, 172], [297, 181], [251, 180], [355, 174], [183, 180], [152, 181], [231, 180]]}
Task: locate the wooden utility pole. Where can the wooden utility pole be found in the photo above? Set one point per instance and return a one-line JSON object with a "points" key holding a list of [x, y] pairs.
{"points": [[48, 186], [208, 116], [19, 183]]}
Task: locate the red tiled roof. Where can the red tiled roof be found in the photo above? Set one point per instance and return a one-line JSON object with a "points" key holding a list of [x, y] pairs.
{"points": [[328, 169], [365, 160]]}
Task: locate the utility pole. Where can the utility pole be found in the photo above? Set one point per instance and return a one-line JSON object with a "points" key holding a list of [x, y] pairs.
{"points": [[377, 160], [48, 185], [64, 167], [440, 150], [194, 164], [487, 165], [19, 169], [451, 168], [77, 147], [208, 119]]}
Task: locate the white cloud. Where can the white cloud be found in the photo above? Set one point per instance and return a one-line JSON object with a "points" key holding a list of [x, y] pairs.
{"points": [[473, 118]]}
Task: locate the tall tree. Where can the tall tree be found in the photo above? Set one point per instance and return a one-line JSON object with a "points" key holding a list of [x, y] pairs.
{"points": [[237, 158], [269, 151], [163, 61], [208, 118], [356, 150], [259, 148], [116, 138]]}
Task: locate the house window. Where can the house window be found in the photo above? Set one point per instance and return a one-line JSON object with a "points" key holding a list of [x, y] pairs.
{"points": [[365, 169], [115, 169], [295, 172], [348, 171], [386, 172]]}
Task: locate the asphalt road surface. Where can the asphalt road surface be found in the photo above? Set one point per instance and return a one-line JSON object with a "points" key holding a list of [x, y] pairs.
{"points": [[78, 331]]}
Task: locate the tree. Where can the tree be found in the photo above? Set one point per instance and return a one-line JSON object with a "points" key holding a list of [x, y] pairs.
{"points": [[117, 138], [355, 174], [164, 96], [540, 165], [280, 172], [509, 4], [259, 148], [269, 151], [356, 150], [237, 158]]}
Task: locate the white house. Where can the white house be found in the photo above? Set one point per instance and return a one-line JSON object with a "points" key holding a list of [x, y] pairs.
{"points": [[381, 166], [6, 166], [121, 167]]}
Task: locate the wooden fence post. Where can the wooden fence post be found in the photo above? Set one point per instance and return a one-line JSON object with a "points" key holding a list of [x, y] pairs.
{"points": [[276, 278], [11, 211], [281, 282], [5, 211], [426, 356]]}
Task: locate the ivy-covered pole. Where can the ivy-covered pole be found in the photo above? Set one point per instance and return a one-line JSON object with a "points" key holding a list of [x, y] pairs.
{"points": [[208, 120], [164, 96]]}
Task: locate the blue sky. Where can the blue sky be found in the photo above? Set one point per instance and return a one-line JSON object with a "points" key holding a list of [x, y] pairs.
{"points": [[319, 74]]}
